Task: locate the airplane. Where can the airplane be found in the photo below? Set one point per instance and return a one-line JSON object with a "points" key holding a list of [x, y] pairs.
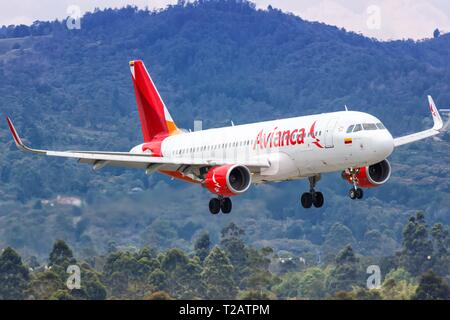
{"points": [[227, 161]]}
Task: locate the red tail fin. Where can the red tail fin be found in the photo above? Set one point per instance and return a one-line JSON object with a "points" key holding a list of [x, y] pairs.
{"points": [[155, 118]]}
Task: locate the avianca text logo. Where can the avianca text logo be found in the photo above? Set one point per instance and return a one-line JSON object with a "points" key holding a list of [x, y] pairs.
{"points": [[277, 138]]}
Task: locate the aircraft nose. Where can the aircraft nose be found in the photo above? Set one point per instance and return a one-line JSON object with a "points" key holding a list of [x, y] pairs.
{"points": [[383, 144]]}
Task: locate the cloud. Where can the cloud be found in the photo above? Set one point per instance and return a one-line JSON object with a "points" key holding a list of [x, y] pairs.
{"points": [[27, 11], [398, 19]]}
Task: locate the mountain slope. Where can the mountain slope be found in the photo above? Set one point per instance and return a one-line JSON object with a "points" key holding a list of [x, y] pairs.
{"points": [[215, 61]]}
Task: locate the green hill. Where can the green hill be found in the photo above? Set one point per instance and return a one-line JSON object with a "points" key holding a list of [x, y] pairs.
{"points": [[214, 61]]}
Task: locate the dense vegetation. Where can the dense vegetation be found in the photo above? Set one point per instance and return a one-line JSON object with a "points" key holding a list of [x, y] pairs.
{"points": [[232, 270], [216, 61]]}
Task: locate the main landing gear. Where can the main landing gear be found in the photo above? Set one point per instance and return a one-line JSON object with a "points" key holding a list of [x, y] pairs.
{"points": [[355, 192], [220, 203], [312, 197]]}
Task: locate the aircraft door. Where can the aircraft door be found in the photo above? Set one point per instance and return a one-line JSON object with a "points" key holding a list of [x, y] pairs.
{"points": [[329, 133]]}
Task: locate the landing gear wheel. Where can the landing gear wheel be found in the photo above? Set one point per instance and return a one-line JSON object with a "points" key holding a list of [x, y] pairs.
{"points": [[226, 205], [356, 193], [352, 193], [359, 193], [214, 206], [307, 200], [318, 199]]}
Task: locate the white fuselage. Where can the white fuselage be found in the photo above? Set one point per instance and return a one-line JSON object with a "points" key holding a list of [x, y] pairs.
{"points": [[295, 148]]}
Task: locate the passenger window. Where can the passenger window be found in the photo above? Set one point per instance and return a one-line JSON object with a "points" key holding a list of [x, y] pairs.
{"points": [[381, 126], [358, 127], [369, 126], [350, 129]]}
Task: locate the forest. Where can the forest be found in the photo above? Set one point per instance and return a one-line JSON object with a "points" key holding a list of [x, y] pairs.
{"points": [[216, 61], [233, 270]]}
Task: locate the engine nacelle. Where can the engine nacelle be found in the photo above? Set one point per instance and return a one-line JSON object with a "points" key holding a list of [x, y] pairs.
{"points": [[371, 176], [228, 180]]}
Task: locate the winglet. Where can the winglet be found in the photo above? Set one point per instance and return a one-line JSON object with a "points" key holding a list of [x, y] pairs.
{"points": [[16, 137], [18, 141], [438, 123]]}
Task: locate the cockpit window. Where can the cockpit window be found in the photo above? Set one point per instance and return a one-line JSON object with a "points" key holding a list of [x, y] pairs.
{"points": [[350, 129], [381, 126], [358, 127], [369, 126]]}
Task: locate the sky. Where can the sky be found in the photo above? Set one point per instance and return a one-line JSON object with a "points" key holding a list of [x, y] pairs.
{"points": [[382, 19]]}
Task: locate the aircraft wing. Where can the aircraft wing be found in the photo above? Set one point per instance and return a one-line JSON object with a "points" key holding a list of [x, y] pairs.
{"points": [[437, 128], [100, 159]]}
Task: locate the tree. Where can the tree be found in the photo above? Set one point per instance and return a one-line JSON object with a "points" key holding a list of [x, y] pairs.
{"points": [[256, 295], [417, 248], [111, 247], [432, 287], [436, 33], [357, 293], [44, 284], [309, 284], [312, 284], [94, 290], [158, 280], [91, 286], [61, 254], [399, 274], [339, 236], [14, 276], [183, 275], [118, 284], [258, 279], [202, 245], [288, 287], [61, 295], [235, 248], [393, 289], [256, 274], [441, 256], [127, 273], [158, 295], [217, 275], [345, 272]]}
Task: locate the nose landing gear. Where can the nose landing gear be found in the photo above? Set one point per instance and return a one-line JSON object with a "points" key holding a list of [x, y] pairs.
{"points": [[220, 203], [312, 197], [355, 192]]}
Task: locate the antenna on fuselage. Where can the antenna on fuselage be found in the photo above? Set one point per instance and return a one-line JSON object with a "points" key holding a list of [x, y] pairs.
{"points": [[346, 109], [232, 123]]}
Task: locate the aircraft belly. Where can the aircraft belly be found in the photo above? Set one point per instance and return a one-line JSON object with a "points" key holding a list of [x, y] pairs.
{"points": [[282, 167], [311, 161]]}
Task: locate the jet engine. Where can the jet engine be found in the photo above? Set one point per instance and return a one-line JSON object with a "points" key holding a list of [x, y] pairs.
{"points": [[228, 180], [371, 176]]}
